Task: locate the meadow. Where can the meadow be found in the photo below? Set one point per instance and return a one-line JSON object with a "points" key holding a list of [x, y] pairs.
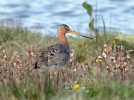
{"points": [[99, 69]]}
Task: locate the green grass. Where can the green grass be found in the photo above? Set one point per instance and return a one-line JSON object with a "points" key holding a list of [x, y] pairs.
{"points": [[103, 89], [19, 47]]}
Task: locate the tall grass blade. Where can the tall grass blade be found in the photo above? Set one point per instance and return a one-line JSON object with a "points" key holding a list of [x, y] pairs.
{"points": [[104, 28]]}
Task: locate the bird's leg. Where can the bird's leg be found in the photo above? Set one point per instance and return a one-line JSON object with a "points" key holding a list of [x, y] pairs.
{"points": [[49, 79], [62, 70], [57, 79]]}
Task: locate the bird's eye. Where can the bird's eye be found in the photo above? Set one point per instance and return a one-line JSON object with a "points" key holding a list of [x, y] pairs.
{"points": [[67, 28]]}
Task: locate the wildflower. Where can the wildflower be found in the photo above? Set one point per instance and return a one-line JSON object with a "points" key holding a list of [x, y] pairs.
{"points": [[107, 67], [114, 61], [14, 64], [114, 67], [17, 60], [5, 57], [2, 61], [96, 60], [32, 54], [131, 51], [87, 91], [19, 68], [105, 50], [82, 88], [67, 87], [4, 51], [99, 57], [122, 48], [15, 75], [100, 61], [126, 69], [105, 45], [118, 46], [27, 54], [10, 63], [71, 60], [125, 63], [118, 66], [104, 54], [110, 48], [112, 58], [74, 70], [76, 82], [76, 86], [85, 63], [87, 67], [123, 59], [128, 56], [54, 72]]}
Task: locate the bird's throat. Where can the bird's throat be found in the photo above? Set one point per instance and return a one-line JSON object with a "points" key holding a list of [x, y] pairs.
{"points": [[62, 38]]}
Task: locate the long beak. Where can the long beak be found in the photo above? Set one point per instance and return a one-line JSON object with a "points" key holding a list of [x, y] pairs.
{"points": [[76, 33]]}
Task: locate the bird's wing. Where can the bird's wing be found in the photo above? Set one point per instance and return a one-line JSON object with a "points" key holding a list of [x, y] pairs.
{"points": [[53, 55]]}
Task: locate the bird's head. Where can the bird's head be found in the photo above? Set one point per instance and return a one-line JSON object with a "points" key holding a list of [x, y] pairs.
{"points": [[63, 28]]}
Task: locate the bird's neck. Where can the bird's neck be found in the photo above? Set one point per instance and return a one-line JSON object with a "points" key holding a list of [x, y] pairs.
{"points": [[62, 38]]}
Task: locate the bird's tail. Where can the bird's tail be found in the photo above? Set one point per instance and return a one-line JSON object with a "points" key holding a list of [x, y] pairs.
{"points": [[36, 65]]}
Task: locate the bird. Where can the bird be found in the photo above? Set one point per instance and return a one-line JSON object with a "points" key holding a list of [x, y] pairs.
{"points": [[57, 55]]}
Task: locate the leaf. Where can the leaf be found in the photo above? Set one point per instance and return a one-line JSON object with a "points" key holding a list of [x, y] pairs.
{"points": [[91, 24], [88, 8]]}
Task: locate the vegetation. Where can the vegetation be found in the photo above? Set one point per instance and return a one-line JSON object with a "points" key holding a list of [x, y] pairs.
{"points": [[101, 68], [97, 69]]}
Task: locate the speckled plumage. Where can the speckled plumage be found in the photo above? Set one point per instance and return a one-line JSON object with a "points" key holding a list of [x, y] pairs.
{"points": [[54, 57]]}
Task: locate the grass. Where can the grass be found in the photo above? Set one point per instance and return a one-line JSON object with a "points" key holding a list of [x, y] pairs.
{"points": [[101, 70]]}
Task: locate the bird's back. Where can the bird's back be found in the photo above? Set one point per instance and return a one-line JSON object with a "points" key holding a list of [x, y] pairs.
{"points": [[54, 56]]}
